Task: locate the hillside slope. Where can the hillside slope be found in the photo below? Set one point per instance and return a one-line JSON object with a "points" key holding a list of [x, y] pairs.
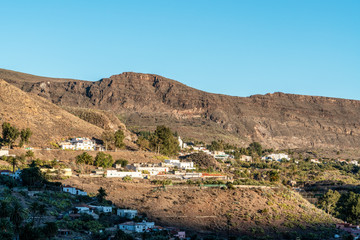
{"points": [[47, 121], [145, 100], [258, 211]]}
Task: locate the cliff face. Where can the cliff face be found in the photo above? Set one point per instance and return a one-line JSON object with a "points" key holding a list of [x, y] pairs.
{"points": [[145, 100]]}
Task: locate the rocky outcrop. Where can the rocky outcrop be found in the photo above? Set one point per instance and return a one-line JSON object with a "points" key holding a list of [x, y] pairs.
{"points": [[145, 100]]}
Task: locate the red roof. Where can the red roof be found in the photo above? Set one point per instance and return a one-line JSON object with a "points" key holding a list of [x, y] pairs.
{"points": [[83, 205], [213, 174], [127, 223]]}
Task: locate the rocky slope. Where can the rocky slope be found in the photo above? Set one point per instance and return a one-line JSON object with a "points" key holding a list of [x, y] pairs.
{"points": [[145, 100], [48, 122]]}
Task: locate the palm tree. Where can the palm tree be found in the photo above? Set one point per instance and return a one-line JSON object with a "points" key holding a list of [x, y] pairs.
{"points": [[101, 195], [14, 162], [4, 209], [5, 225], [30, 154], [42, 212], [17, 216], [34, 209]]}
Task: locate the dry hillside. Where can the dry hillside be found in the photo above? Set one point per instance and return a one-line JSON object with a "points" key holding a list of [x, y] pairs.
{"points": [[104, 119], [47, 121], [257, 211]]}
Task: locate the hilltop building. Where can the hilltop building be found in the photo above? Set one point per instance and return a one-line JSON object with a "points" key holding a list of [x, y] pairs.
{"points": [[81, 143], [73, 190], [127, 213]]}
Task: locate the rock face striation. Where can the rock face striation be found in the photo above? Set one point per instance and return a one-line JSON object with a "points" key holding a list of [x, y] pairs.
{"points": [[144, 101]]}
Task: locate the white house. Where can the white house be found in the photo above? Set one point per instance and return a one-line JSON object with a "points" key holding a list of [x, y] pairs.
{"points": [[104, 209], [6, 173], [74, 191], [127, 213], [315, 161], [186, 165], [115, 173], [15, 175], [276, 157], [192, 175], [178, 164], [354, 162], [4, 153], [172, 161], [79, 144], [151, 168], [83, 208], [181, 235], [182, 145], [245, 158], [136, 227]]}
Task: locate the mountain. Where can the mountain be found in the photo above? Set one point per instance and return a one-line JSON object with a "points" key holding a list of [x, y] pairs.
{"points": [[48, 122], [144, 101]]}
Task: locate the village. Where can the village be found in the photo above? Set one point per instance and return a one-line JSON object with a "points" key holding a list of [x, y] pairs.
{"points": [[65, 204], [82, 207]]}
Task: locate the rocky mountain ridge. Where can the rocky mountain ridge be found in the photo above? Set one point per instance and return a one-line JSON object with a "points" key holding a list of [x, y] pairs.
{"points": [[145, 100]]}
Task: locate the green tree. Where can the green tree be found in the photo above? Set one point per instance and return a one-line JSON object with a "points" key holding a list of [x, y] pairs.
{"points": [[25, 135], [255, 147], [103, 160], [143, 143], [120, 235], [329, 200], [50, 229], [32, 176], [17, 216], [13, 161], [9, 134], [5, 225], [28, 232], [30, 154], [34, 210], [108, 138], [42, 212], [122, 162], [84, 158], [274, 176], [4, 209], [164, 142], [101, 195], [127, 178], [216, 146], [119, 138]]}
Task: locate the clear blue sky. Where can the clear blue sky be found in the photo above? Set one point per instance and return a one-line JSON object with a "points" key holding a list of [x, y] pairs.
{"points": [[239, 47]]}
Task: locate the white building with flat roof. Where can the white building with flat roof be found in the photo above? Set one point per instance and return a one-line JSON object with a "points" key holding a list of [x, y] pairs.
{"points": [[80, 143], [153, 169], [115, 173], [276, 157], [103, 209], [74, 191], [127, 213], [178, 164], [137, 227], [4, 153]]}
